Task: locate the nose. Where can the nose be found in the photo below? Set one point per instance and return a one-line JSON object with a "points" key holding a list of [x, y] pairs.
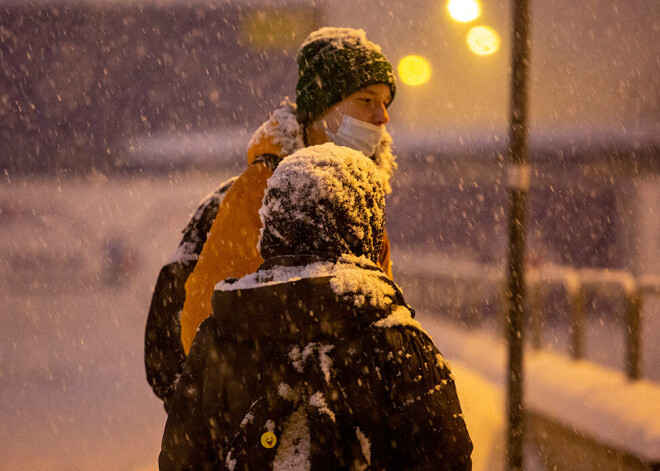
{"points": [[380, 116]]}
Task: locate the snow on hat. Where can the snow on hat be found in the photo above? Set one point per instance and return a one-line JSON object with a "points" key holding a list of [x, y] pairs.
{"points": [[334, 63], [323, 200]]}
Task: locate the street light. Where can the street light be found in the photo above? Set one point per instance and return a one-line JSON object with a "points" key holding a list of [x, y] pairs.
{"points": [[464, 11], [414, 70], [483, 40]]}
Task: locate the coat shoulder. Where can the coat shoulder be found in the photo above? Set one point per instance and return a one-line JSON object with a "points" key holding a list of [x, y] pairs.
{"points": [[199, 225]]}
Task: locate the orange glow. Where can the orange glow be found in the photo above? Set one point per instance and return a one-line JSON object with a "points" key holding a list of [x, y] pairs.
{"points": [[483, 40], [414, 70], [464, 11]]}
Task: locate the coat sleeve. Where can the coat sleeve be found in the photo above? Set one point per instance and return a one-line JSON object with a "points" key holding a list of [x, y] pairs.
{"points": [[187, 442], [426, 422], [163, 351]]}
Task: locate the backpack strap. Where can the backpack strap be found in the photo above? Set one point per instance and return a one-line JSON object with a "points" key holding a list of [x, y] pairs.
{"points": [[270, 160]]}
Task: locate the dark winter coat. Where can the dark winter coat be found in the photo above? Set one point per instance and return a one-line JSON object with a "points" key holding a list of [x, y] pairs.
{"points": [[231, 247], [164, 351], [332, 364]]}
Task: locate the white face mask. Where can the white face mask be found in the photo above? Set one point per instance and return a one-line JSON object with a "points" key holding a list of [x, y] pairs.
{"points": [[357, 135]]}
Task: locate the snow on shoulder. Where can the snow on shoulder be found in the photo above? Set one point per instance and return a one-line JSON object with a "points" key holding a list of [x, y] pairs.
{"points": [[364, 286], [400, 317], [277, 275], [282, 129], [354, 278]]}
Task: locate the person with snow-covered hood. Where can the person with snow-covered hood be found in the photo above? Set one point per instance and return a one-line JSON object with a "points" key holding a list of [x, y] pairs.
{"points": [[314, 361], [344, 88]]}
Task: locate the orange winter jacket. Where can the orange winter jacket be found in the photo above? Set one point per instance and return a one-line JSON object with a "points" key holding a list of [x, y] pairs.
{"points": [[231, 247]]}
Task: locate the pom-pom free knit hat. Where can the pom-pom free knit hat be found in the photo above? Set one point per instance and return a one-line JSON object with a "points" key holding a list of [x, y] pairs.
{"points": [[334, 63]]}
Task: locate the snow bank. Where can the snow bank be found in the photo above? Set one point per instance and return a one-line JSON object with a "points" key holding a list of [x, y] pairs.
{"points": [[598, 402], [595, 401]]}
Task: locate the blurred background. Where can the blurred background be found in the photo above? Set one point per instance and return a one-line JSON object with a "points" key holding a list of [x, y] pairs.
{"points": [[118, 117]]}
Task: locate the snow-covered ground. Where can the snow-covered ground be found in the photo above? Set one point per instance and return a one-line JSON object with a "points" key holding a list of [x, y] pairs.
{"points": [[597, 401], [468, 290], [78, 260]]}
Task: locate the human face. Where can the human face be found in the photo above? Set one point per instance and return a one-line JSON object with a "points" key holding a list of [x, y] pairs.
{"points": [[368, 105]]}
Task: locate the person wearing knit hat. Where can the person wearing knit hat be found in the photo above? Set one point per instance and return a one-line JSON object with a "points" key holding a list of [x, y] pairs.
{"points": [[345, 86], [315, 360], [334, 63]]}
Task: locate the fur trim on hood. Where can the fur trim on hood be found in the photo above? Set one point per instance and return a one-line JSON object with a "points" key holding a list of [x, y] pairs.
{"points": [[282, 135]]}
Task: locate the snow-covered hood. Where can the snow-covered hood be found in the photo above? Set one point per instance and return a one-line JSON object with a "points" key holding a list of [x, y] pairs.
{"points": [[300, 298], [282, 135], [323, 199]]}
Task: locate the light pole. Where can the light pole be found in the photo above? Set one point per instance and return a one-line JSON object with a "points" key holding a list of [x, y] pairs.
{"points": [[483, 41], [518, 185]]}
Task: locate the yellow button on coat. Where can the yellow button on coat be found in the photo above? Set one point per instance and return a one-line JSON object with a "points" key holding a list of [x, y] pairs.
{"points": [[268, 440]]}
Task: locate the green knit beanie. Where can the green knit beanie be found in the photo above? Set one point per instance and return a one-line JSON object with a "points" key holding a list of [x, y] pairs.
{"points": [[334, 63]]}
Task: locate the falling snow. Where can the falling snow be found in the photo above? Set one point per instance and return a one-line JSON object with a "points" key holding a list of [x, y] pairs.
{"points": [[118, 118]]}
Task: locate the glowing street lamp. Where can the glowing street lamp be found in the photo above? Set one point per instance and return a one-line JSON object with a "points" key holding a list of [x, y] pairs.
{"points": [[483, 40], [414, 70], [464, 11]]}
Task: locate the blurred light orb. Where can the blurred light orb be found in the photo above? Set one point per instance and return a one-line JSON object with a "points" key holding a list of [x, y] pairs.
{"points": [[464, 11], [483, 40], [414, 70]]}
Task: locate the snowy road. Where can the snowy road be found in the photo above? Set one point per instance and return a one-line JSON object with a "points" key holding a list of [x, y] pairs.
{"points": [[73, 390]]}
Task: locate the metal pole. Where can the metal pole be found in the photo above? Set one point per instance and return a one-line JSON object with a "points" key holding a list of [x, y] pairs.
{"points": [[577, 322], [518, 179], [633, 334], [536, 306]]}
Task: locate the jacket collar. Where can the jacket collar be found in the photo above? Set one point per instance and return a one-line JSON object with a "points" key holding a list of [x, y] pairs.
{"points": [[282, 135], [302, 308]]}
